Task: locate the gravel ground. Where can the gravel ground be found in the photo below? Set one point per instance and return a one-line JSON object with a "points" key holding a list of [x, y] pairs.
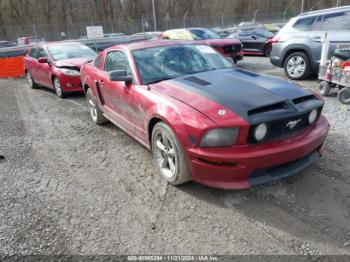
{"points": [[68, 186]]}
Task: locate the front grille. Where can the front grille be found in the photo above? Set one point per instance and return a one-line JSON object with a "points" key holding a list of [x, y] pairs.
{"points": [[232, 48], [282, 128]]}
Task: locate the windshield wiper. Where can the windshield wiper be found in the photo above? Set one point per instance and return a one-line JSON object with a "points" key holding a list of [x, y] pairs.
{"points": [[162, 79]]}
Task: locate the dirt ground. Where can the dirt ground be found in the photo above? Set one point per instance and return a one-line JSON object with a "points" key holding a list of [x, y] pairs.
{"points": [[68, 186]]}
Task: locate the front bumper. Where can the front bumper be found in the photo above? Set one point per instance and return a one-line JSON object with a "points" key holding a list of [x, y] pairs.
{"points": [[71, 83], [249, 165]]}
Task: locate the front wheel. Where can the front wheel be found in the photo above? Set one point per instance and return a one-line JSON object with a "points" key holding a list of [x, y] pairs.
{"points": [[297, 66], [169, 156], [344, 96], [58, 89], [30, 80], [95, 112]]}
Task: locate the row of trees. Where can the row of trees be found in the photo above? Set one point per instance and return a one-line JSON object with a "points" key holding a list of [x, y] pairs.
{"points": [[51, 17]]}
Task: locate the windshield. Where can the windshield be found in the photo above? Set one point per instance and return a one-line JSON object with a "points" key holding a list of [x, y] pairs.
{"points": [[202, 34], [68, 51], [167, 62]]}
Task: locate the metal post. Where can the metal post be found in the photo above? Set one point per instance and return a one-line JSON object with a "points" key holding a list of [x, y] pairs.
{"points": [[284, 14], [184, 19], [256, 11], [338, 3], [222, 19], [143, 27], [154, 16], [34, 29], [302, 6]]}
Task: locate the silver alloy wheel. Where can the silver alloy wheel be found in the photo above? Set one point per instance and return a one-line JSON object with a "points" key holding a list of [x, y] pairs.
{"points": [[296, 66], [30, 79], [57, 86], [93, 109], [166, 155]]}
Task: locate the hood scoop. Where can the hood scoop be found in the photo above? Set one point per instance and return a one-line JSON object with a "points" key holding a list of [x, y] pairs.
{"points": [[197, 81]]}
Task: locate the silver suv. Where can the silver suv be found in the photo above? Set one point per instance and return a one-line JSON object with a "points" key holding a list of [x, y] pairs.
{"points": [[297, 46]]}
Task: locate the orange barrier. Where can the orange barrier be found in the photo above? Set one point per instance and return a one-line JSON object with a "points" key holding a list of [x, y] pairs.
{"points": [[11, 67]]}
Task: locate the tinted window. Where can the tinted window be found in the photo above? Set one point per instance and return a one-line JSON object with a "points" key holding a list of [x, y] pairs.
{"points": [[337, 21], [304, 23], [201, 34], [97, 61], [117, 61], [32, 52], [40, 52]]}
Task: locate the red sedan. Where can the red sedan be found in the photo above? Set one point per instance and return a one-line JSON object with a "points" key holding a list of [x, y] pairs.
{"points": [[57, 66], [203, 119]]}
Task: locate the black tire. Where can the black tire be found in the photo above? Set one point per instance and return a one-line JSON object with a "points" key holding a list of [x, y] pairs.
{"points": [[57, 88], [267, 50], [30, 80], [292, 72], [324, 87], [344, 96], [182, 172], [95, 112]]}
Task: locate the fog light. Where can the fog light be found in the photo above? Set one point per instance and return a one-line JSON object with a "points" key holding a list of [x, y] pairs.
{"points": [[312, 116], [260, 132]]}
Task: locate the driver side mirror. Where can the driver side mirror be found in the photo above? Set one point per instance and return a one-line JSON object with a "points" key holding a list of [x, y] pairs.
{"points": [[43, 60], [120, 75]]}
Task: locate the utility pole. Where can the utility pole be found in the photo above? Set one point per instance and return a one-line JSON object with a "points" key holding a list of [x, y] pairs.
{"points": [[154, 16], [302, 6]]}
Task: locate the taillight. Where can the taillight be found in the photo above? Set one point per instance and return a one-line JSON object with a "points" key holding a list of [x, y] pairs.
{"points": [[276, 40]]}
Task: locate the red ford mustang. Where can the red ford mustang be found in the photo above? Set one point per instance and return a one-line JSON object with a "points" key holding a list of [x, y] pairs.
{"points": [[203, 119], [56, 65]]}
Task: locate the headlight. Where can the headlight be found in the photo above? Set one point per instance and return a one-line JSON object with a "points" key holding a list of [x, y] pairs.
{"points": [[260, 132], [312, 116], [220, 137], [70, 72]]}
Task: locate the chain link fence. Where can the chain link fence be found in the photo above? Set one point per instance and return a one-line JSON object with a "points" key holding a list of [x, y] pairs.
{"points": [[130, 25]]}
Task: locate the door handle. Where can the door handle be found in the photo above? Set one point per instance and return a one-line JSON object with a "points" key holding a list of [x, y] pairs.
{"points": [[316, 38]]}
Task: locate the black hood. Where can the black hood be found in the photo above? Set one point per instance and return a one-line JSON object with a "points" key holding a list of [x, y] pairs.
{"points": [[254, 97]]}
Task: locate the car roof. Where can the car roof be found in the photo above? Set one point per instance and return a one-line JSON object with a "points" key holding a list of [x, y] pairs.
{"points": [[326, 11], [150, 44]]}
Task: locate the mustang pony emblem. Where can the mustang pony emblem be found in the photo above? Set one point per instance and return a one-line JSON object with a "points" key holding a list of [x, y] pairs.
{"points": [[292, 124]]}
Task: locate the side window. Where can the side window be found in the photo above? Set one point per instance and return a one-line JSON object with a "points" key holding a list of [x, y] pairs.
{"points": [[97, 61], [40, 52], [316, 26], [117, 61], [32, 53], [304, 23], [336, 22]]}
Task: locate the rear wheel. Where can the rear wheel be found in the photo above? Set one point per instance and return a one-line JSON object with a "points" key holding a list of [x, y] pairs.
{"points": [[58, 89], [95, 112], [344, 96], [297, 66], [267, 50], [30, 80], [169, 156], [324, 88]]}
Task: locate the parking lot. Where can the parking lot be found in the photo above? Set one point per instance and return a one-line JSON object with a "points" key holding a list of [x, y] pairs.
{"points": [[69, 186]]}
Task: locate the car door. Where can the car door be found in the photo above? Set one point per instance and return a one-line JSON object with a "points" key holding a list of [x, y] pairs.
{"points": [[43, 70], [117, 94], [30, 63]]}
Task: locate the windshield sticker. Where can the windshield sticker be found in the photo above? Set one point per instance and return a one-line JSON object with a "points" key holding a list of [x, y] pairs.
{"points": [[205, 49]]}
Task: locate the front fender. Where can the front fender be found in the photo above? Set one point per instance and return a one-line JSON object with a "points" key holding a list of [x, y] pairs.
{"points": [[186, 122]]}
